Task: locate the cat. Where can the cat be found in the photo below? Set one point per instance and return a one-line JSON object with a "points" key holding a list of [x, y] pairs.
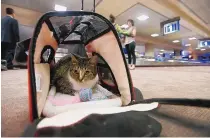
{"points": [[72, 73]]}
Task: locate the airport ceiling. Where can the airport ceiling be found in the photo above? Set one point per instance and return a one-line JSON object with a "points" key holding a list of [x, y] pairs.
{"points": [[199, 8], [48, 5], [152, 25]]}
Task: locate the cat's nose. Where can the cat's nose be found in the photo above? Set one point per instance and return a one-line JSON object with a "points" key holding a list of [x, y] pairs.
{"points": [[81, 79], [81, 76]]}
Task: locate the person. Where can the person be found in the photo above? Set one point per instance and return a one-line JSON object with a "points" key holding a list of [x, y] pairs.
{"points": [[112, 20], [130, 44], [121, 32], [9, 36]]}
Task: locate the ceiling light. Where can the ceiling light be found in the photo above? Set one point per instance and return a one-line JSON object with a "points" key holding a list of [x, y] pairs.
{"points": [[60, 8], [188, 45], [162, 50], [175, 41], [203, 49], [154, 35], [192, 38], [197, 48], [143, 17]]}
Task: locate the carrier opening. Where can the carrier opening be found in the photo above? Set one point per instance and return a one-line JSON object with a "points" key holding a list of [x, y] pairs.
{"points": [[98, 87], [72, 66]]}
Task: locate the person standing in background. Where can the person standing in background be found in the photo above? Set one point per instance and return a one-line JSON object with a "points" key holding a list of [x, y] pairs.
{"points": [[130, 44], [121, 32], [127, 37], [9, 36]]}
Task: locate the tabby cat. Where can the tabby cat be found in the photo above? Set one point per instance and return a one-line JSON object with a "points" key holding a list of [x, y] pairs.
{"points": [[72, 73]]}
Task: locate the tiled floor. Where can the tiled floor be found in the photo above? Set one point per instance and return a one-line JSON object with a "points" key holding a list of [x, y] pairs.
{"points": [[159, 82]]}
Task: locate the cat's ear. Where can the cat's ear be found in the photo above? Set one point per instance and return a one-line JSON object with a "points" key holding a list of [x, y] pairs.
{"points": [[73, 59], [93, 60]]}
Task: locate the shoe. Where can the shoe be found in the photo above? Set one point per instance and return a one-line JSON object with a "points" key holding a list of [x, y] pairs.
{"points": [[129, 66], [132, 67], [3, 67]]}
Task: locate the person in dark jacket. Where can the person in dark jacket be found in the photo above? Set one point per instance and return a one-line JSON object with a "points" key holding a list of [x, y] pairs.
{"points": [[9, 36]]}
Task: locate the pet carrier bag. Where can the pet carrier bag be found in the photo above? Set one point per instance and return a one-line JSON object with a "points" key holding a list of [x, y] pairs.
{"points": [[60, 35]]}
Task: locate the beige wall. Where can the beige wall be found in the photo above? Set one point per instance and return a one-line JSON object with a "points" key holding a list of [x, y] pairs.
{"points": [[24, 16]]}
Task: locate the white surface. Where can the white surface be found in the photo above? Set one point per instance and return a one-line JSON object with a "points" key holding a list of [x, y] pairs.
{"points": [[52, 110], [76, 115]]}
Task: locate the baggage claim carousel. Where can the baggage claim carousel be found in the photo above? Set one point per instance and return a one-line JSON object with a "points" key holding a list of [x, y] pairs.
{"points": [[142, 62]]}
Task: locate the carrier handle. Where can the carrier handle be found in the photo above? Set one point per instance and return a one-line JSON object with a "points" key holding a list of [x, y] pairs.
{"points": [[94, 5], [82, 5]]}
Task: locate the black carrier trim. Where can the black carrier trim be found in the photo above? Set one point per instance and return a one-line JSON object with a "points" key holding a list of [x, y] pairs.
{"points": [[31, 130], [51, 54], [52, 29], [75, 26], [72, 42]]}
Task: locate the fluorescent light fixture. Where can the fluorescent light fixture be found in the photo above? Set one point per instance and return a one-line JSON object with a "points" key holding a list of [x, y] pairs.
{"points": [[170, 60], [192, 38], [176, 41], [188, 45], [143, 17], [203, 49], [150, 59], [162, 50], [60, 8], [154, 35], [197, 48], [160, 53]]}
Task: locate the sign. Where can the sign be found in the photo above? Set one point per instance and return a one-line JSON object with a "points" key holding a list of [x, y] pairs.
{"points": [[170, 26], [204, 43]]}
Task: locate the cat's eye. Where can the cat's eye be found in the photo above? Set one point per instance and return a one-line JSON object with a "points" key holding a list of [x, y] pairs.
{"points": [[87, 72]]}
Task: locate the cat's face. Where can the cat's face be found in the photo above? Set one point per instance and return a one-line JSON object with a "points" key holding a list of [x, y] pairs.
{"points": [[83, 69]]}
